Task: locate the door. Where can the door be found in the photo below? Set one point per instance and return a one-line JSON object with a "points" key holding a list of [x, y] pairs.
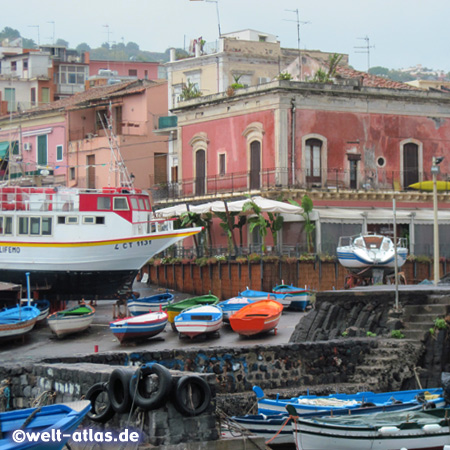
{"points": [[90, 173], [200, 172], [313, 167], [255, 165], [353, 174], [410, 164]]}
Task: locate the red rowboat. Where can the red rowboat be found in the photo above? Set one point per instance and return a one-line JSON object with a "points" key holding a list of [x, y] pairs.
{"points": [[258, 317]]}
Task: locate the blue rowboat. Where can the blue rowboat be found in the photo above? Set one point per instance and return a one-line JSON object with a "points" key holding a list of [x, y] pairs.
{"points": [[56, 420], [41, 304], [284, 299], [334, 402], [198, 320], [17, 321], [140, 327], [301, 298], [275, 428], [232, 305], [143, 305]]}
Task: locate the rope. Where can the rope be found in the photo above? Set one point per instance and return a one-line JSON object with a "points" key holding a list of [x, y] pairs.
{"points": [[280, 430], [235, 427], [43, 399]]}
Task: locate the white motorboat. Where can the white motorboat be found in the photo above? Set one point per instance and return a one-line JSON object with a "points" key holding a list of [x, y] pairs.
{"points": [[365, 252]]}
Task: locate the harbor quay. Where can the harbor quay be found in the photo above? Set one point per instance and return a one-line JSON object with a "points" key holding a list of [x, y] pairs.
{"points": [[324, 350]]}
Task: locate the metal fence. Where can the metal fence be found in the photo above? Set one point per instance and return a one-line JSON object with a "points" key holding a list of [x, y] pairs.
{"points": [[335, 180]]}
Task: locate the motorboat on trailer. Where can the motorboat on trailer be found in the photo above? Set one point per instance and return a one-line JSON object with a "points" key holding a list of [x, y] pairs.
{"points": [[80, 243], [366, 252]]}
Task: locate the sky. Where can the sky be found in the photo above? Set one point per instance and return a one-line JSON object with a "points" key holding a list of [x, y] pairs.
{"points": [[401, 33]]}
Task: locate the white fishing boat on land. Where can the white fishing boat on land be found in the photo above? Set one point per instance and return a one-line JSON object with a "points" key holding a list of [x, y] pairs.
{"points": [[79, 243], [366, 252], [71, 320]]}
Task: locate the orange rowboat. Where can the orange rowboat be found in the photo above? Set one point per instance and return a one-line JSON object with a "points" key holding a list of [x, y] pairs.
{"points": [[258, 317]]}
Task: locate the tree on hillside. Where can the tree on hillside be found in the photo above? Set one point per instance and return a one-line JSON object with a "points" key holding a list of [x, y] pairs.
{"points": [[62, 42], [83, 47]]}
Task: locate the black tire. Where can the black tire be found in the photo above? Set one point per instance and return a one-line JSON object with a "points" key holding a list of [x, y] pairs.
{"points": [[139, 390], [118, 389], [95, 414], [192, 395]]}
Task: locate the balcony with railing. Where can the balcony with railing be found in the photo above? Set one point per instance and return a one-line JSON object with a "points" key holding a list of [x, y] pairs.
{"points": [[379, 182]]}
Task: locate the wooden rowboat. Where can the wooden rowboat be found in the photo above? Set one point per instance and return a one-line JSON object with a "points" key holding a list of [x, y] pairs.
{"points": [[175, 308], [198, 320], [57, 421], [259, 317], [301, 298], [152, 303], [72, 320], [17, 321], [140, 327], [412, 430]]}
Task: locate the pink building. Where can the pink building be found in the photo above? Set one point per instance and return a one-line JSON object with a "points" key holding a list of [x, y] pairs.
{"points": [[351, 146], [137, 69]]}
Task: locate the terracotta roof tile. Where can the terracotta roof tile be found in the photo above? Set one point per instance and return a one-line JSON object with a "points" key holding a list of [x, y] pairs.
{"points": [[369, 80]]}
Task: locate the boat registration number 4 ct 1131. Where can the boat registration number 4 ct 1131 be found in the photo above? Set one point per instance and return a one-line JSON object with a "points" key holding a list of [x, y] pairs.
{"points": [[127, 245]]}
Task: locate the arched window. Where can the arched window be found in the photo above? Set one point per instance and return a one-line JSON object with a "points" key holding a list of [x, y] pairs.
{"points": [[254, 134], [313, 157], [199, 144], [200, 172], [410, 164], [255, 165]]}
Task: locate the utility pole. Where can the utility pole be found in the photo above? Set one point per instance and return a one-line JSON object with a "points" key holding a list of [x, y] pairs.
{"points": [[366, 49]]}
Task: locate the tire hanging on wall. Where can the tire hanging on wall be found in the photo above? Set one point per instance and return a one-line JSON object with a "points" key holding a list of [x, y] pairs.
{"points": [[142, 388], [95, 414], [118, 389], [192, 395]]}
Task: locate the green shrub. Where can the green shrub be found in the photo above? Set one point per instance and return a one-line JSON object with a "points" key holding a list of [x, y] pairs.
{"points": [[440, 324], [397, 334], [370, 334]]}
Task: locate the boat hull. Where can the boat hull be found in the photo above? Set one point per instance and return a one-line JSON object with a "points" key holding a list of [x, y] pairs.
{"points": [[306, 404], [82, 268], [176, 308], [17, 321], [257, 318], [321, 433], [301, 298], [65, 322], [367, 253], [61, 418], [138, 328], [199, 320], [138, 306]]}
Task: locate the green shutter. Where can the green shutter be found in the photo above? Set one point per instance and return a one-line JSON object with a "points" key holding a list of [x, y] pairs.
{"points": [[42, 150]]}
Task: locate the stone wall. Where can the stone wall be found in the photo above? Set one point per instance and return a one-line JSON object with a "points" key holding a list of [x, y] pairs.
{"points": [[41, 384], [227, 279]]}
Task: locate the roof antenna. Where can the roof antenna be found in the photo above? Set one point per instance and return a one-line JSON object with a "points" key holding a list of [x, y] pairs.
{"points": [[366, 49]]}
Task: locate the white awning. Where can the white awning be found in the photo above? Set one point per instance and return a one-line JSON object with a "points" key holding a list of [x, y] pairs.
{"points": [[265, 204], [375, 215]]}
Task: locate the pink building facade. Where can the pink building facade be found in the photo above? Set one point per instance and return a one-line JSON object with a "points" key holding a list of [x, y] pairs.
{"points": [[347, 147]]}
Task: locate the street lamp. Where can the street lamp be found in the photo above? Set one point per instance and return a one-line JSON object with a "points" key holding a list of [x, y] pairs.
{"points": [[217, 10], [434, 171]]}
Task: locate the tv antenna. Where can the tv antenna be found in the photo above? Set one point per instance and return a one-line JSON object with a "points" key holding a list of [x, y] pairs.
{"points": [[366, 49], [298, 21]]}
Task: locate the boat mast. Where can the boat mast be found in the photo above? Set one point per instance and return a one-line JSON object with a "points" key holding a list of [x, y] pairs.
{"points": [[117, 164]]}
